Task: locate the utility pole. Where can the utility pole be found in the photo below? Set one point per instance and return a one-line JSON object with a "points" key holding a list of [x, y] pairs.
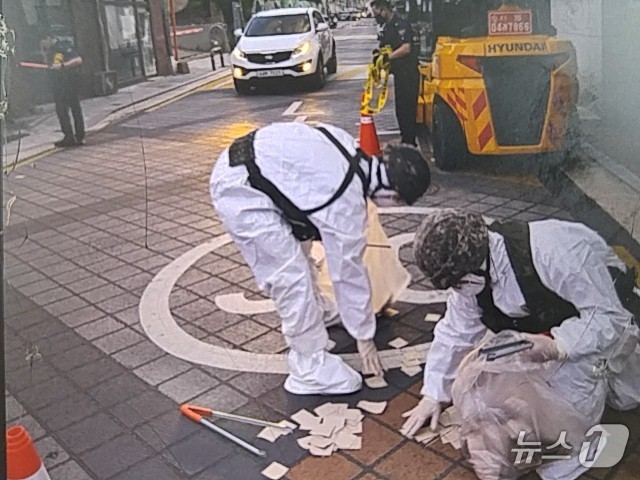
{"points": [[5, 48], [172, 10]]}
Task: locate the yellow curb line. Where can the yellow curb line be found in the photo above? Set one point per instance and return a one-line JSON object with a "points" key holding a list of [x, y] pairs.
{"points": [[28, 160], [169, 101]]}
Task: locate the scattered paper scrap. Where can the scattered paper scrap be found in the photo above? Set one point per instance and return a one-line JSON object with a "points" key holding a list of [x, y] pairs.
{"points": [[372, 407], [306, 420], [275, 471], [330, 345], [335, 428], [271, 434], [398, 342], [448, 430], [432, 317], [411, 371], [375, 382], [390, 312], [426, 436]]}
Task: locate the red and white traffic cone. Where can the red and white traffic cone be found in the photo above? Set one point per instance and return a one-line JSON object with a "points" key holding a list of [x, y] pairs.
{"points": [[23, 461], [369, 142]]}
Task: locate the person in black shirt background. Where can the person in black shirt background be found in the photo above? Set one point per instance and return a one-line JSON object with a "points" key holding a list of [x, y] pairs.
{"points": [[398, 34], [64, 64]]}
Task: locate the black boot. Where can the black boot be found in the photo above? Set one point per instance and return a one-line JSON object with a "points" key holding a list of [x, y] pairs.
{"points": [[66, 142]]}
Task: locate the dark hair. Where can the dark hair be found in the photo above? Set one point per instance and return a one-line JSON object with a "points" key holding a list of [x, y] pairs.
{"points": [[380, 4]]}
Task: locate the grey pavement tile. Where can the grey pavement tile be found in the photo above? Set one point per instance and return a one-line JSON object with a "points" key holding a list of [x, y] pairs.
{"points": [[72, 276], [194, 310], [59, 343], [495, 200], [502, 212], [270, 342], [102, 293], [518, 205], [135, 282], [218, 342], [257, 384], [50, 296], [118, 341], [142, 408], [271, 319], [242, 332], [161, 369], [86, 284], [139, 354], [20, 376], [45, 261], [89, 433], [67, 411], [99, 328], [151, 469], [193, 275], [194, 331], [150, 264], [13, 409], [70, 471], [136, 255], [166, 429], [26, 278], [117, 390], [51, 452], [237, 275], [119, 303], [67, 305], [59, 268], [81, 317], [216, 265], [207, 288], [129, 316], [36, 288], [187, 385], [221, 398], [95, 372], [118, 274], [216, 320], [528, 216], [181, 296], [219, 373], [75, 357], [35, 430], [199, 451], [47, 328], [116, 455], [546, 210]]}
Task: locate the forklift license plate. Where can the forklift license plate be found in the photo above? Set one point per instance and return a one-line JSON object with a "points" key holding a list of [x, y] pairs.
{"points": [[510, 23]]}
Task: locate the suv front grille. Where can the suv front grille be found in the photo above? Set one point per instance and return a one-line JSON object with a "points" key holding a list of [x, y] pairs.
{"points": [[266, 58], [518, 90]]}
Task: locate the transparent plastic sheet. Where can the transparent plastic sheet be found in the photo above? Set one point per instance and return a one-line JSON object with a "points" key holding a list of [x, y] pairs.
{"points": [[387, 275], [499, 399]]}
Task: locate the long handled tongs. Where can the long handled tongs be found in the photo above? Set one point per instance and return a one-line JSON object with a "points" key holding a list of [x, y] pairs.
{"points": [[196, 413], [506, 349]]}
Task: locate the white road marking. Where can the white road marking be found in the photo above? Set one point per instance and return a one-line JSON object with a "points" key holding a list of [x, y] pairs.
{"points": [[301, 118], [160, 326], [389, 132], [291, 109]]}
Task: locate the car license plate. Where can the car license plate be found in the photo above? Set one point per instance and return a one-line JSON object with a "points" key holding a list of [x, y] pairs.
{"points": [[510, 23], [270, 73]]}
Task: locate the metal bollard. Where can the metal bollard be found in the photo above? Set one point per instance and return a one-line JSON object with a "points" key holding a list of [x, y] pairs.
{"points": [[213, 60]]}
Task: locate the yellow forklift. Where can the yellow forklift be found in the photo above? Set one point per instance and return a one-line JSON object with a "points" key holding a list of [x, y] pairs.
{"points": [[499, 81]]}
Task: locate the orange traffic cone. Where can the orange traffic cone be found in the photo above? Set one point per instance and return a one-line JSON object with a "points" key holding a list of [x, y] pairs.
{"points": [[23, 461], [369, 142]]}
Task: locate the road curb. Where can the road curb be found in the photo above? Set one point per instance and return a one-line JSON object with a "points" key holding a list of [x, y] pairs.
{"points": [[599, 193]]}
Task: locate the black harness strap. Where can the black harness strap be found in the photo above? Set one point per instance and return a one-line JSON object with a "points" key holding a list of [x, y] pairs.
{"points": [[241, 152]]}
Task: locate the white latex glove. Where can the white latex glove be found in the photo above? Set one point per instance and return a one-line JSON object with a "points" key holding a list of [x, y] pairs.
{"points": [[544, 349], [370, 360], [427, 408]]}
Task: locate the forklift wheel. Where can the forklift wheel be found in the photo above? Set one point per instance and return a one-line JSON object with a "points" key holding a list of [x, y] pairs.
{"points": [[449, 142]]}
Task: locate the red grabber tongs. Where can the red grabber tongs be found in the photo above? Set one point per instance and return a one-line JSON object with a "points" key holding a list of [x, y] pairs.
{"points": [[195, 413]]}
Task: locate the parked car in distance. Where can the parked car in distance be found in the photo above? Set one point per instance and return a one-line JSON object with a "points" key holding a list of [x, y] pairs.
{"points": [[294, 43]]}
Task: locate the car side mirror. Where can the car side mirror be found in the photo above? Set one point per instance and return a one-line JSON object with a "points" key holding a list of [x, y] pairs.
{"points": [[237, 32], [322, 27]]}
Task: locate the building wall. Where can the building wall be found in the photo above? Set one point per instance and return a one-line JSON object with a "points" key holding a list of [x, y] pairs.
{"points": [[581, 22]]}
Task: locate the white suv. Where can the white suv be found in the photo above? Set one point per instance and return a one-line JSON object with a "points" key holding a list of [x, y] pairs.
{"points": [[288, 42]]}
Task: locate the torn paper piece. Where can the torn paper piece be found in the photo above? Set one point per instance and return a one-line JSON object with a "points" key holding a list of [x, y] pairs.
{"points": [[330, 345], [353, 415], [375, 382], [411, 362], [305, 442], [432, 317], [451, 416], [452, 436], [306, 420], [398, 342], [355, 428], [321, 452], [372, 407], [271, 434], [425, 435], [275, 471], [320, 442], [411, 371], [287, 424], [329, 409], [390, 312], [338, 422], [348, 441], [323, 430]]}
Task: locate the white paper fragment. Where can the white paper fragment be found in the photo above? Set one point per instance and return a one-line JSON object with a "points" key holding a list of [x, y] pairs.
{"points": [[337, 422], [425, 435], [390, 312], [411, 362], [454, 415], [321, 452], [375, 382], [356, 428], [275, 471], [348, 441], [320, 442], [398, 342], [306, 420], [330, 345], [323, 430], [372, 407], [325, 410], [432, 317], [305, 442], [353, 415], [288, 424], [411, 371], [270, 434]]}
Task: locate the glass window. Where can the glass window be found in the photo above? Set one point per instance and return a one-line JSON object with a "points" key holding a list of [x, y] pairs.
{"points": [[317, 19], [278, 25]]}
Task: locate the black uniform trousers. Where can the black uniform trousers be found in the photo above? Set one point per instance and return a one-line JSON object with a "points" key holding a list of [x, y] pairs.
{"points": [[67, 99], [406, 84]]}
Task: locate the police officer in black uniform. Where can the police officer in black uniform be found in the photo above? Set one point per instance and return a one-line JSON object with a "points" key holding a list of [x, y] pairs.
{"points": [[398, 34]]}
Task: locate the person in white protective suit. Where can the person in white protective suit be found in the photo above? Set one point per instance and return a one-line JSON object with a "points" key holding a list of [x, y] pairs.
{"points": [[286, 184], [553, 277]]}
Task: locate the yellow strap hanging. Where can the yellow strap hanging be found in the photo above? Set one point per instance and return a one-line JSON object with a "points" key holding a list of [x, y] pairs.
{"points": [[375, 92]]}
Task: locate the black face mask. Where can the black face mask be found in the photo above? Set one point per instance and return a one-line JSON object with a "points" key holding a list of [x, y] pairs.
{"points": [[380, 20]]}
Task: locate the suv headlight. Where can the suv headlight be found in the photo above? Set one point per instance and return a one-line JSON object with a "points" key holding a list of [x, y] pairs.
{"points": [[238, 53], [302, 49]]}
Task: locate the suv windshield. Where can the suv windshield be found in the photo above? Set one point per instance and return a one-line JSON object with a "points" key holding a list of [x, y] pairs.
{"points": [[280, 25]]}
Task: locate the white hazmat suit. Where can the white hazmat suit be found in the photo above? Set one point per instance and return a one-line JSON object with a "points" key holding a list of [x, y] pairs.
{"points": [[307, 168], [601, 344]]}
